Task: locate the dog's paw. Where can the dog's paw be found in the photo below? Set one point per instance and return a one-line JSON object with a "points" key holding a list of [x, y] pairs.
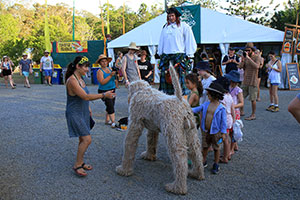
{"points": [[146, 156], [171, 187], [123, 172], [196, 175]]}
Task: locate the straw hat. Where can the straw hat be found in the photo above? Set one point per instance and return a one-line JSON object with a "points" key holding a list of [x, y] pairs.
{"points": [[133, 46], [24, 54], [46, 51], [102, 56]]}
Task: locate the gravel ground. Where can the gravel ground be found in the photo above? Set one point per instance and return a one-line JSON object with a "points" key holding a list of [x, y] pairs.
{"points": [[37, 155]]}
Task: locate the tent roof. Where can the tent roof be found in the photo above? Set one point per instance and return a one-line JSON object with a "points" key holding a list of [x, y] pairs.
{"points": [[215, 28]]}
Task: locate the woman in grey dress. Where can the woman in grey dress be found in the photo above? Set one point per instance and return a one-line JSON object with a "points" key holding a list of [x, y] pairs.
{"points": [[130, 68], [78, 112]]}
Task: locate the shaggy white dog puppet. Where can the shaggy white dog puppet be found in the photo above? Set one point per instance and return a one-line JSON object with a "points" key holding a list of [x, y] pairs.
{"points": [[173, 117]]}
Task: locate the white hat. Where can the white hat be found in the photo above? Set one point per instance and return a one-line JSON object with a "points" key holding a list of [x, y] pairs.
{"points": [[133, 46]]}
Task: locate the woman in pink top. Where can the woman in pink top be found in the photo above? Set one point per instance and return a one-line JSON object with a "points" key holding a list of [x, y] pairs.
{"points": [[238, 100], [230, 117]]}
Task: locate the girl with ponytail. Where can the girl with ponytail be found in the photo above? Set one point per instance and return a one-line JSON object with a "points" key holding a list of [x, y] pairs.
{"points": [[78, 112], [193, 84]]}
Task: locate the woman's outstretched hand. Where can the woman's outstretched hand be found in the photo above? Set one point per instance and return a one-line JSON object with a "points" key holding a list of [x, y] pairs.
{"points": [[110, 94]]}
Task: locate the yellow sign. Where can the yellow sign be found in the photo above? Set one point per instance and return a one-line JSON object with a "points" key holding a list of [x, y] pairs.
{"points": [[72, 47]]}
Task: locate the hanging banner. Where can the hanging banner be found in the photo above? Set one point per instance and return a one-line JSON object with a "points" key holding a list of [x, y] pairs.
{"points": [[297, 46], [287, 46], [72, 47], [191, 16]]}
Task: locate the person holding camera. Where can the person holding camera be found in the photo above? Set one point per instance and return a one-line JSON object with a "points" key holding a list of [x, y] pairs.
{"points": [[106, 77], [250, 63]]}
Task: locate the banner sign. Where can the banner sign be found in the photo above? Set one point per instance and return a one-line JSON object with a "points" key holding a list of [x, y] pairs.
{"points": [[191, 16], [293, 75], [297, 45], [72, 47], [287, 46]]}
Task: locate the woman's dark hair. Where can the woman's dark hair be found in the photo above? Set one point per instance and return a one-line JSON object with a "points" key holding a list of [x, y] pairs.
{"points": [[215, 95], [193, 78], [272, 53], [72, 66], [177, 20]]}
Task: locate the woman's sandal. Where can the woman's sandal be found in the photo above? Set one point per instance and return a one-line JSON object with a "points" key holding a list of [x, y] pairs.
{"points": [[86, 166], [79, 173]]}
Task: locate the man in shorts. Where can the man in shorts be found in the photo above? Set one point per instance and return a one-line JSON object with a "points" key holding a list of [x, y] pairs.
{"points": [[250, 63], [47, 66], [25, 68]]}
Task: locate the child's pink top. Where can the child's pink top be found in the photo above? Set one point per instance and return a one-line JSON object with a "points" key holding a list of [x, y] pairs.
{"points": [[227, 102], [234, 93]]}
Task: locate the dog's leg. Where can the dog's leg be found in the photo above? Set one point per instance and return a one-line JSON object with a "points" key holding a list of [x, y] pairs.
{"points": [[195, 154], [176, 142], [135, 129], [150, 153]]}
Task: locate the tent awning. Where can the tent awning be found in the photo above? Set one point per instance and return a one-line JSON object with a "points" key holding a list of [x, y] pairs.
{"points": [[215, 28]]}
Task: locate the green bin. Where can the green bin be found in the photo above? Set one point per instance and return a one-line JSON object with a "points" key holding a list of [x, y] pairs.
{"points": [[37, 76]]}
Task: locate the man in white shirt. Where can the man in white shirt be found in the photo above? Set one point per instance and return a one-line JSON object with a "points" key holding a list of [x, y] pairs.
{"points": [[47, 66], [177, 44]]}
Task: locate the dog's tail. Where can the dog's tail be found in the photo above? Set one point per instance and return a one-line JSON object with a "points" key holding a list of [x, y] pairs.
{"points": [[175, 82]]}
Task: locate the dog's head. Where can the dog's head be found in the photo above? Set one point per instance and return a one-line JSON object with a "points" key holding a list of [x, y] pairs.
{"points": [[135, 87]]}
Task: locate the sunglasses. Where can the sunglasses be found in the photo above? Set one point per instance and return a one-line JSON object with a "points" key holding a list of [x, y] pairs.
{"points": [[247, 50]]}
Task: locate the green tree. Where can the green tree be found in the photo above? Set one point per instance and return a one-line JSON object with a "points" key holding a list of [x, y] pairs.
{"points": [[288, 15], [245, 8]]}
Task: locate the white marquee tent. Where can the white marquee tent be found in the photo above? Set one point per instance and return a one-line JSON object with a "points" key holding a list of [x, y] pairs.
{"points": [[215, 28]]}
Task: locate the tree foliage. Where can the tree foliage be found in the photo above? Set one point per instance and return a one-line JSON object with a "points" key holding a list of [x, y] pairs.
{"points": [[246, 8], [288, 15], [22, 27]]}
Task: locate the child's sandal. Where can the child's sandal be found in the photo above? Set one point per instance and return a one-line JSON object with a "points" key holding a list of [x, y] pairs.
{"points": [[79, 173]]}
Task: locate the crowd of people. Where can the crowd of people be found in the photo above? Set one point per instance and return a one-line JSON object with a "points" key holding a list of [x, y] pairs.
{"points": [[217, 101], [26, 68]]}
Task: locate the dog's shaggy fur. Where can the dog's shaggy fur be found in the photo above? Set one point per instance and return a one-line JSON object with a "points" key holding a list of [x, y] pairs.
{"points": [[173, 117]]}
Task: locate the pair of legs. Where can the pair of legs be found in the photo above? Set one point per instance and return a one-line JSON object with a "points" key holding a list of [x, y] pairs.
{"points": [[273, 91], [84, 142], [216, 155], [177, 151], [26, 82], [48, 80], [11, 81], [233, 145], [110, 107], [208, 141], [110, 118], [252, 92], [226, 148], [258, 89]]}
